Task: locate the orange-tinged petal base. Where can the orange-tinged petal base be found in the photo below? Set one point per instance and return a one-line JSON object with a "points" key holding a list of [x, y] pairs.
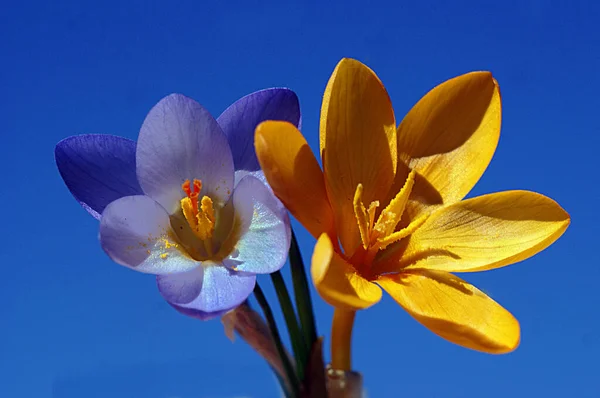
{"points": [[337, 282]]}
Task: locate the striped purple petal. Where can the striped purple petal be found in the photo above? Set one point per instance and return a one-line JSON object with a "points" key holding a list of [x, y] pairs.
{"points": [[97, 169]]}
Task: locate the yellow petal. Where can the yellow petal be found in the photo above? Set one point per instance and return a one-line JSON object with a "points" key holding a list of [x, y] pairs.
{"points": [[337, 282], [486, 232], [294, 174], [454, 310], [358, 143], [449, 137]]}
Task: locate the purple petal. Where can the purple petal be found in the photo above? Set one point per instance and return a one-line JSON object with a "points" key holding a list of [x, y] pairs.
{"points": [[258, 174], [222, 290], [97, 169], [182, 287], [264, 232], [201, 315], [180, 141], [240, 120], [135, 231]]}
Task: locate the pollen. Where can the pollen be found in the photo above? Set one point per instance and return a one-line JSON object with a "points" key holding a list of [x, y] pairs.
{"points": [[168, 244]]}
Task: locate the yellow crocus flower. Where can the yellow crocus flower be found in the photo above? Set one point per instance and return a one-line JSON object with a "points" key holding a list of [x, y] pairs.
{"points": [[387, 208]]}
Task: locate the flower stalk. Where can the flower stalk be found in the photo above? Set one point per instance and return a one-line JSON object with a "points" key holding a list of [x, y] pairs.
{"points": [[302, 295], [291, 321], [294, 389], [341, 339]]}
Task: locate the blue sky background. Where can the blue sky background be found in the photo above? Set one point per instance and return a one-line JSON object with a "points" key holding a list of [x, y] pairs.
{"points": [[73, 324]]}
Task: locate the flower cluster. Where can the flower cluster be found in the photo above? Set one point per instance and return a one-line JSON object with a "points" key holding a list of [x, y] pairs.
{"points": [[202, 204]]}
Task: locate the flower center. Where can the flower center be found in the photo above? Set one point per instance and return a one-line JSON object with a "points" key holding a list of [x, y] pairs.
{"points": [[199, 213], [378, 235]]}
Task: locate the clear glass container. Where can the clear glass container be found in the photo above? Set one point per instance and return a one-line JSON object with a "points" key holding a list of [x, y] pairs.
{"points": [[344, 384]]}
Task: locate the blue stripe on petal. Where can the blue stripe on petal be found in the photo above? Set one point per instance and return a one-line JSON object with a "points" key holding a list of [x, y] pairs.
{"points": [[97, 169], [265, 231], [135, 231], [241, 118], [180, 140], [222, 290]]}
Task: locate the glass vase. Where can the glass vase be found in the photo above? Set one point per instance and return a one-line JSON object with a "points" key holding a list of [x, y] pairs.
{"points": [[344, 384]]}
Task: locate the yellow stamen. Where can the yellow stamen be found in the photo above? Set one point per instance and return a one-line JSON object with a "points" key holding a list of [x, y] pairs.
{"points": [[378, 235], [384, 242], [200, 214], [361, 216], [187, 207], [206, 218], [372, 209], [391, 215]]}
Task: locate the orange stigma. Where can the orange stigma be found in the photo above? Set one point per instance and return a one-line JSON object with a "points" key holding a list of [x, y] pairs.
{"points": [[193, 192]]}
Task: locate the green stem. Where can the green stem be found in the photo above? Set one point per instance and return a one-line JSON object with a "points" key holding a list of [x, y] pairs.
{"points": [[302, 295], [285, 360], [300, 351]]}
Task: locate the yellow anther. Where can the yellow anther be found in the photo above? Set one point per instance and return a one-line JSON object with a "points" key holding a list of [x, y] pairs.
{"points": [[164, 256], [206, 218], [371, 210], [362, 218], [200, 214], [378, 235], [391, 215], [385, 241], [207, 208], [187, 206]]}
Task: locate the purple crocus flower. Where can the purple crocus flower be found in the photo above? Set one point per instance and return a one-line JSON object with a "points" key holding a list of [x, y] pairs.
{"points": [[189, 202]]}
